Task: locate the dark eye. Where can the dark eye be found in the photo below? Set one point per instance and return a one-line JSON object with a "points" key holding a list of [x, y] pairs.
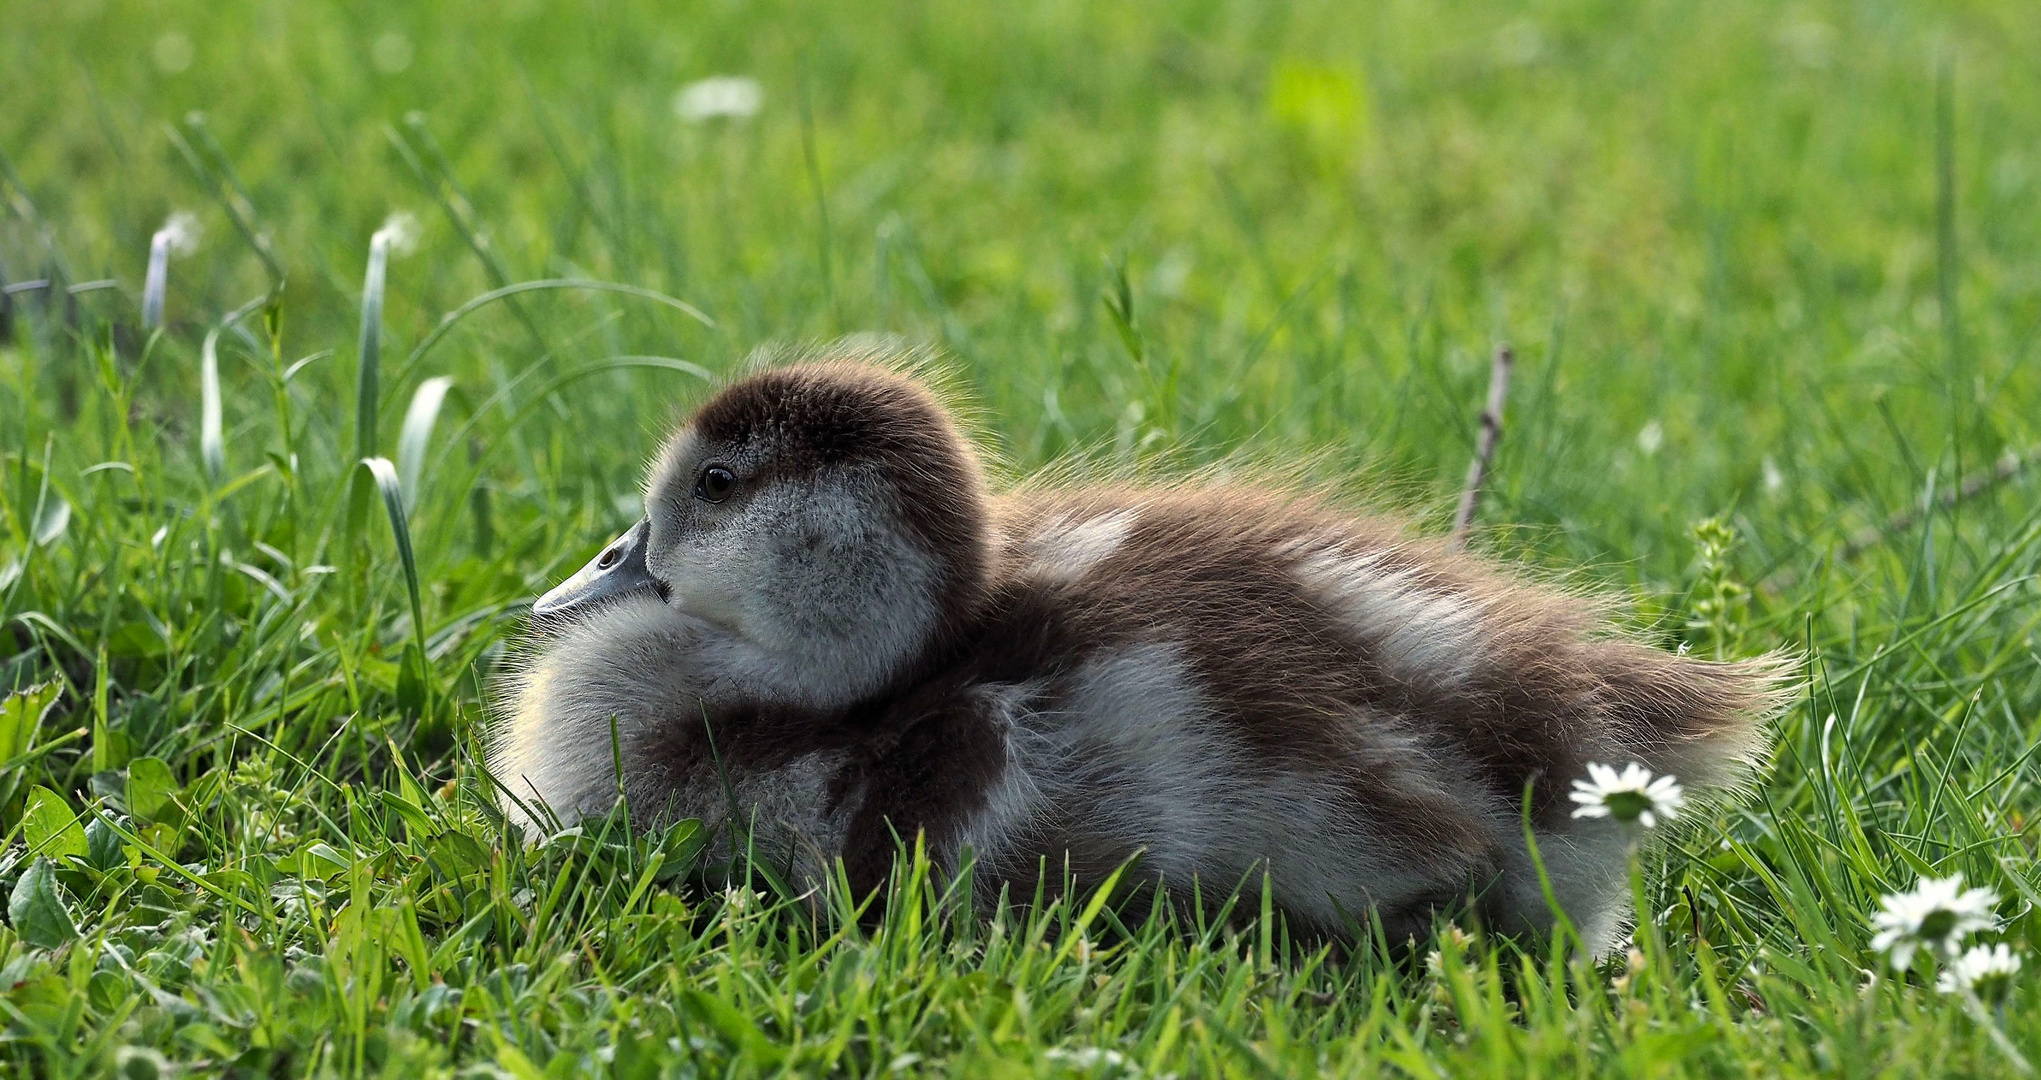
{"points": [[714, 484]]}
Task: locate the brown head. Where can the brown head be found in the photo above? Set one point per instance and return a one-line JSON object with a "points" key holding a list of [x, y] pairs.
{"points": [[829, 515]]}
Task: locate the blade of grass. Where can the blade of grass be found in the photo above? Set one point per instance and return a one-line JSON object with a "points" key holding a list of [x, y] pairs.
{"points": [[451, 318], [371, 349], [178, 236], [384, 475], [212, 445], [416, 435]]}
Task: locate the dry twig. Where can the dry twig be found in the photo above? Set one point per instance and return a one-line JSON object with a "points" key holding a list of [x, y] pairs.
{"points": [[1484, 451]]}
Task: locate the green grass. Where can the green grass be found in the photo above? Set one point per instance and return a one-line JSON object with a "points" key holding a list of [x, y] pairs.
{"points": [[1774, 265]]}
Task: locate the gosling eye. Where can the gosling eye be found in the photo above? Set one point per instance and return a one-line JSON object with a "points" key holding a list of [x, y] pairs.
{"points": [[714, 484]]}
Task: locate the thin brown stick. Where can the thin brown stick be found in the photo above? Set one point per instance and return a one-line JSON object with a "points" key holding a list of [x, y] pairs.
{"points": [[1484, 449]]}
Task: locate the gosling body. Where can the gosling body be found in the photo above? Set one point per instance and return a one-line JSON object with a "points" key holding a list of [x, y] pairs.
{"points": [[828, 632]]}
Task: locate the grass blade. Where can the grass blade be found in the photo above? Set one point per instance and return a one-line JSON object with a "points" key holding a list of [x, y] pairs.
{"points": [[398, 233], [388, 483], [212, 445], [558, 382], [416, 435], [178, 236], [392, 488], [448, 321], [365, 391], [157, 280]]}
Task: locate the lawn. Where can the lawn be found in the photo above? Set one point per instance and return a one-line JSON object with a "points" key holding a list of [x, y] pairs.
{"points": [[1771, 274]]}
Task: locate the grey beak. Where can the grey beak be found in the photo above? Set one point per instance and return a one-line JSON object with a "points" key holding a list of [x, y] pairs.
{"points": [[619, 571]]}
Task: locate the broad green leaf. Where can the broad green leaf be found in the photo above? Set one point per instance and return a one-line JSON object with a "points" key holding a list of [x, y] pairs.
{"points": [[104, 848], [151, 790], [37, 910], [106, 990], [164, 837], [50, 827], [21, 714]]}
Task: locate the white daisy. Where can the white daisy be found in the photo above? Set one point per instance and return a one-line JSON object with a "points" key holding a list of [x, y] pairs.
{"points": [[1632, 795], [1986, 972], [721, 96], [1089, 1058], [1937, 915]]}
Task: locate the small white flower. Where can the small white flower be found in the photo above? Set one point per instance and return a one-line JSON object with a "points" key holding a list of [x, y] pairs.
{"points": [[1986, 972], [1088, 1058], [400, 232], [721, 95], [1650, 437], [1937, 915], [1774, 479], [1632, 795]]}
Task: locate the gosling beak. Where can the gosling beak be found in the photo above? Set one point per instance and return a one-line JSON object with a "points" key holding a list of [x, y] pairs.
{"points": [[619, 571]]}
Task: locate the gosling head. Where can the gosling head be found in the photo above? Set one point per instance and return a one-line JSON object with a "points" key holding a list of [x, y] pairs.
{"points": [[823, 526]]}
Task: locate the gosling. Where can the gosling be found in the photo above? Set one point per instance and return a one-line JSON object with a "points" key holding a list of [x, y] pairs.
{"points": [[827, 634]]}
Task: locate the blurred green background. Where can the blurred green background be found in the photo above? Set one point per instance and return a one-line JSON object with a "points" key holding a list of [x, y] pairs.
{"points": [[1710, 231]]}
